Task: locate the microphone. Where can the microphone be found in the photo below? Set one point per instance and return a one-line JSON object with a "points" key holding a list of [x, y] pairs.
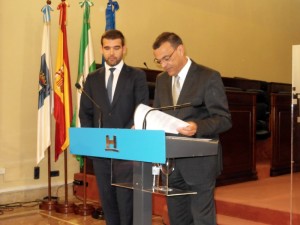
{"points": [[145, 64], [194, 103], [78, 86]]}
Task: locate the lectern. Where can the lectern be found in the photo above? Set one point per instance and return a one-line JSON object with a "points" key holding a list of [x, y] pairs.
{"points": [[144, 147]]}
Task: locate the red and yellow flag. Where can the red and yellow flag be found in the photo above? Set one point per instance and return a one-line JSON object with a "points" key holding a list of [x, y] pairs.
{"points": [[62, 86]]}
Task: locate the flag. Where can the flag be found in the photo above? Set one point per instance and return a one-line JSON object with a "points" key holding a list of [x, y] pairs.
{"points": [[45, 90], [86, 62], [112, 6], [62, 86], [110, 18]]}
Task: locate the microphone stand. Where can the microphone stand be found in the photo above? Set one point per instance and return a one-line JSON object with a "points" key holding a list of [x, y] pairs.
{"points": [[85, 209]]}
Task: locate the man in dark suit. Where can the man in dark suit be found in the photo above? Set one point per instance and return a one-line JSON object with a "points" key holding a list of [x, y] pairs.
{"points": [[185, 81], [117, 88]]}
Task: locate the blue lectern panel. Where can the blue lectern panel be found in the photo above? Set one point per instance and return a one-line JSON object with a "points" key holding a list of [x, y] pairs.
{"points": [[127, 144]]}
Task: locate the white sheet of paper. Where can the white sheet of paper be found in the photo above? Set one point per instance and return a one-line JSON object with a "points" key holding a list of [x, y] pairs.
{"points": [[156, 120]]}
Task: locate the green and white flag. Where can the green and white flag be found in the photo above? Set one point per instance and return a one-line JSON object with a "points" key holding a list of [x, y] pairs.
{"points": [[86, 54]]}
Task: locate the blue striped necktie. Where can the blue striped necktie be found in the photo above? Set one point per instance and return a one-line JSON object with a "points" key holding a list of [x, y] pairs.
{"points": [[109, 84]]}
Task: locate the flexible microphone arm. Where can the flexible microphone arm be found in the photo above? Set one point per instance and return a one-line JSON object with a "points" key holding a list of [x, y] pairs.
{"points": [[173, 107], [78, 86]]}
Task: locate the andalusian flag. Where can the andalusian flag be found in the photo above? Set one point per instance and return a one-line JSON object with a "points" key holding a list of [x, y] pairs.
{"points": [[86, 55], [45, 90], [62, 86]]}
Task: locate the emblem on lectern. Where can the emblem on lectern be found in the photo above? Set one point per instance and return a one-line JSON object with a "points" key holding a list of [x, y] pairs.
{"points": [[111, 144]]}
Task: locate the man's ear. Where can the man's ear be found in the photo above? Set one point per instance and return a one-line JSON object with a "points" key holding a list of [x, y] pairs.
{"points": [[124, 49], [181, 49]]}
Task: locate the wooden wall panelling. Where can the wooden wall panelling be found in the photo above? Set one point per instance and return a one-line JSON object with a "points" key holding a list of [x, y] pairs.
{"points": [[275, 87], [238, 144], [281, 135]]}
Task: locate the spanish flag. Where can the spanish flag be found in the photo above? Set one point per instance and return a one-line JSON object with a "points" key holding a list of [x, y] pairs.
{"points": [[62, 86]]}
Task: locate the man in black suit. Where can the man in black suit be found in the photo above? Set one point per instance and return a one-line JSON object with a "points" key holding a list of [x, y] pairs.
{"points": [[185, 81], [117, 98]]}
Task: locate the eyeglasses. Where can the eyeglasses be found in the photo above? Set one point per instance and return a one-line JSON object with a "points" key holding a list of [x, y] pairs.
{"points": [[164, 59]]}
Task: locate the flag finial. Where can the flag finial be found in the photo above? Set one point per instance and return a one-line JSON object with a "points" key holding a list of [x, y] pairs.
{"points": [[46, 11]]}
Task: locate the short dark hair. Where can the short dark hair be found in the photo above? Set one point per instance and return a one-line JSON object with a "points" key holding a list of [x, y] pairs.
{"points": [[113, 34], [170, 37]]}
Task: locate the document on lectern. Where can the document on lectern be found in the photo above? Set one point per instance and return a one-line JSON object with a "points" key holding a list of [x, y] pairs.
{"points": [[156, 120]]}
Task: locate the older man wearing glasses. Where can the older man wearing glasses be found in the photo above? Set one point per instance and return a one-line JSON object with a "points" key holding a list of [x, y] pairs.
{"points": [[184, 81]]}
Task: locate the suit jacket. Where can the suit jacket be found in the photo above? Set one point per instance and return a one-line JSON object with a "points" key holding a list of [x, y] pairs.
{"points": [[131, 90], [204, 86]]}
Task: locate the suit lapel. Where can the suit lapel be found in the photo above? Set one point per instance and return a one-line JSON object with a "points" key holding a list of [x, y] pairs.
{"points": [[188, 83], [120, 84], [103, 85]]}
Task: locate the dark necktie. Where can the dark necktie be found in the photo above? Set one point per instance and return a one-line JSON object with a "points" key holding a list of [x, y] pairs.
{"points": [[109, 84], [176, 89]]}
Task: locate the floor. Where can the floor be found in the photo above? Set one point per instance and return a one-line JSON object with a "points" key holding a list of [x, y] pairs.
{"points": [[272, 200], [34, 216], [272, 193], [238, 204]]}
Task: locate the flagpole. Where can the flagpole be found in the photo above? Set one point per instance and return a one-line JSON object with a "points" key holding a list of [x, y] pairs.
{"points": [[85, 66], [63, 103], [45, 104], [48, 204], [65, 207]]}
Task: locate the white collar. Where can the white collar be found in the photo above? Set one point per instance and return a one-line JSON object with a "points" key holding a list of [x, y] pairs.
{"points": [[117, 67], [183, 72]]}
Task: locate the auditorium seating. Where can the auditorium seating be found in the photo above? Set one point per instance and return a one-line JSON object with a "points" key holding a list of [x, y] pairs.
{"points": [[262, 130]]}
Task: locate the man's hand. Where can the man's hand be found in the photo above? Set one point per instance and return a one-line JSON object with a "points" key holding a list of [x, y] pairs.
{"points": [[189, 130]]}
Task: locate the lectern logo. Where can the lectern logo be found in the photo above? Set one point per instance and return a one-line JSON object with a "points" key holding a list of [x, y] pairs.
{"points": [[111, 144]]}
